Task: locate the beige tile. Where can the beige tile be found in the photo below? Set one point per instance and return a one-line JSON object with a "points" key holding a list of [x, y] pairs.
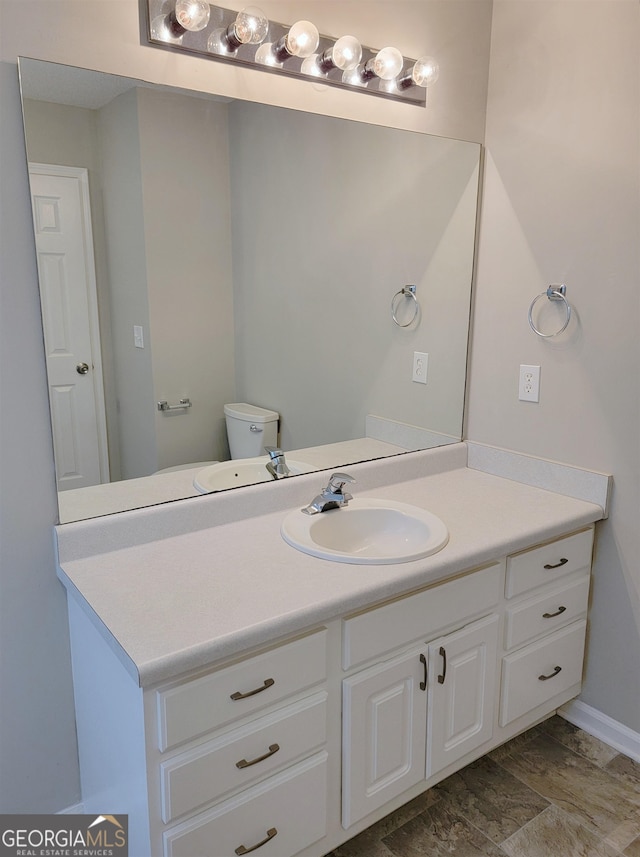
{"points": [[580, 742], [405, 813], [633, 850], [625, 769], [555, 833], [606, 805], [363, 845], [438, 832], [368, 843], [514, 746], [492, 799]]}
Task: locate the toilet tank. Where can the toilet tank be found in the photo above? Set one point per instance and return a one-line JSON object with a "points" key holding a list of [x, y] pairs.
{"points": [[250, 429]]}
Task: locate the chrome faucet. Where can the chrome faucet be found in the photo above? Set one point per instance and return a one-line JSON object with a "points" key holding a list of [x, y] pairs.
{"points": [[333, 496], [277, 466]]}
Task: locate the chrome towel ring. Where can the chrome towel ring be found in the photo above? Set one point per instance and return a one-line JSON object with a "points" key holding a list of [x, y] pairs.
{"points": [[409, 292], [554, 293]]}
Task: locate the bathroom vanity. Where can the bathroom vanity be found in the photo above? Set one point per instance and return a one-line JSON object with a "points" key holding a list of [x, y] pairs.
{"points": [[234, 695]]}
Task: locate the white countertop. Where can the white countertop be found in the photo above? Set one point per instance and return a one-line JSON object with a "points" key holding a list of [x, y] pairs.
{"points": [[177, 603]]}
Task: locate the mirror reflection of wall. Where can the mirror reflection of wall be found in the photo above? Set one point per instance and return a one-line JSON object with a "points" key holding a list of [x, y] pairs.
{"points": [[256, 250]]}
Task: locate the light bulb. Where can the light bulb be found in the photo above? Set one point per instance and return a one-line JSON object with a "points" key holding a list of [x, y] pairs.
{"points": [[266, 54], [387, 63], [192, 15], [250, 27], [355, 76], [302, 39], [162, 29], [425, 71], [345, 54], [311, 65]]}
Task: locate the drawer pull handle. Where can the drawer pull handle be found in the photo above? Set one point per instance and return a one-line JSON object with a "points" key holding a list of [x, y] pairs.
{"points": [[267, 683], [551, 615], [273, 748], [563, 561], [270, 834], [423, 683], [443, 655], [556, 670]]}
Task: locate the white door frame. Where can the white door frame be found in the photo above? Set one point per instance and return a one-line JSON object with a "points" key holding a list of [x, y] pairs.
{"points": [[81, 174]]}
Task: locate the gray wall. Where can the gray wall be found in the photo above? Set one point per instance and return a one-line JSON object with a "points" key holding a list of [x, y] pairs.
{"points": [[123, 200], [185, 179], [38, 766], [322, 242], [562, 204]]}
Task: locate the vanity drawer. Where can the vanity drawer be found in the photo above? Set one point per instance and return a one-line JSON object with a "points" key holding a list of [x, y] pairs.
{"points": [[238, 758], [420, 616], [287, 813], [541, 670], [203, 704], [546, 563], [552, 609]]}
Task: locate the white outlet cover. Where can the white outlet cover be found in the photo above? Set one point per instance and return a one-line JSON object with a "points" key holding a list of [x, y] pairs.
{"points": [[529, 383], [420, 366]]}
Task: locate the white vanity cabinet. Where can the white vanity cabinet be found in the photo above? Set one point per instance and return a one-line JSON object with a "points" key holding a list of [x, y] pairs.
{"points": [[547, 590], [409, 716], [512, 652], [286, 812], [288, 750]]}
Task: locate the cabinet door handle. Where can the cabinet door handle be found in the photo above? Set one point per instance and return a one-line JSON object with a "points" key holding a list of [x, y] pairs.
{"points": [[267, 683], [273, 748], [556, 670], [563, 561], [270, 834], [443, 655], [423, 683], [551, 615]]}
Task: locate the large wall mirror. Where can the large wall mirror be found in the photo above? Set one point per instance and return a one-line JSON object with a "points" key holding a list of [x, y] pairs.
{"points": [[203, 252]]}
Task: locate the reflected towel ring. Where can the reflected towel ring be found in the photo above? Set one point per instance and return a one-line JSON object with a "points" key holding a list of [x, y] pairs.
{"points": [[409, 292], [554, 293]]}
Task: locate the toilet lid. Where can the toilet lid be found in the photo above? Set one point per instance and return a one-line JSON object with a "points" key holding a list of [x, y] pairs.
{"points": [[250, 413]]}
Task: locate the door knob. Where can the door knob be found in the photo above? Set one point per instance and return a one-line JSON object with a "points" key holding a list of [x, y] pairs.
{"points": [[82, 368]]}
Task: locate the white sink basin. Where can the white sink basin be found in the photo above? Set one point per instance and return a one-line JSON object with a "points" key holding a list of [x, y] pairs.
{"points": [[372, 532], [240, 471]]}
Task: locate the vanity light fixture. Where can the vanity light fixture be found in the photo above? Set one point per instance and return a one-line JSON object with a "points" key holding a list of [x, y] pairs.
{"points": [[248, 38]]}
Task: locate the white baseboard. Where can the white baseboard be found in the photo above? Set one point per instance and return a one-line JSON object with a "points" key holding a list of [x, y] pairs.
{"points": [[76, 809], [602, 726]]}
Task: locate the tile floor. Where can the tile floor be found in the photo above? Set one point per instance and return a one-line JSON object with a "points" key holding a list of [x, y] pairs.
{"points": [[552, 792]]}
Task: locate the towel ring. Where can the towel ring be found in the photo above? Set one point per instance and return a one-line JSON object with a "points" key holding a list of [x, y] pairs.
{"points": [[409, 292], [554, 293]]}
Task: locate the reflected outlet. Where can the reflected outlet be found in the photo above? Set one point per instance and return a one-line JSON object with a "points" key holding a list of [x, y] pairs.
{"points": [[420, 363]]}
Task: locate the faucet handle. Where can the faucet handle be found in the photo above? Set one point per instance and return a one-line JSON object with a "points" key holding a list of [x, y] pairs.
{"points": [[338, 481], [274, 452]]}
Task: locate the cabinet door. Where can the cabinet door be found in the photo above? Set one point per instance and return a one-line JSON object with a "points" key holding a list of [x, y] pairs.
{"points": [[384, 717], [462, 677]]}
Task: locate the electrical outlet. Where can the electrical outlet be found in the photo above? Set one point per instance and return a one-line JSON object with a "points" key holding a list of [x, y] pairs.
{"points": [[529, 387], [138, 336], [420, 363]]}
